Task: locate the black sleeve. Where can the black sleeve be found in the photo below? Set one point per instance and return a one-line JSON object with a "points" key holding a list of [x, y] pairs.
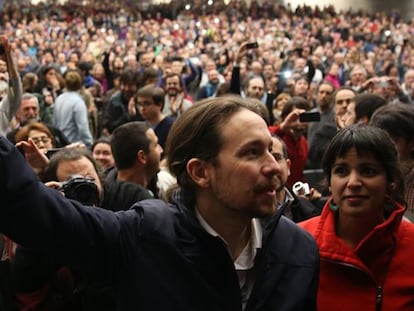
{"points": [[187, 79], [61, 140], [108, 72], [311, 71], [114, 116], [235, 81], [38, 217], [269, 105], [31, 269]]}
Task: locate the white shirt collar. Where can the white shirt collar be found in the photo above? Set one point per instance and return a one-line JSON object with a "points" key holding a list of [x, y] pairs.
{"points": [[245, 262], [246, 258]]}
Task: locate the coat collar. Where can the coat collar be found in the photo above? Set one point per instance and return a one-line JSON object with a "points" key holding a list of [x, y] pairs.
{"points": [[371, 254]]}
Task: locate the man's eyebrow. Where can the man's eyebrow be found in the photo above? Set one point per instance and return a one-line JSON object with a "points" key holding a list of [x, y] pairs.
{"points": [[253, 143], [278, 155]]}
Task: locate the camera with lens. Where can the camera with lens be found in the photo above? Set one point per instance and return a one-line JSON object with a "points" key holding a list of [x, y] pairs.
{"points": [[81, 189]]}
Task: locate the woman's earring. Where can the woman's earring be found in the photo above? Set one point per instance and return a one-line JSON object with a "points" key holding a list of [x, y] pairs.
{"points": [[333, 207]]}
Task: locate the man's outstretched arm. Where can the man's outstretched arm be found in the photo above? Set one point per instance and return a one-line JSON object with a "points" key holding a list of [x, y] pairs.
{"points": [[36, 216]]}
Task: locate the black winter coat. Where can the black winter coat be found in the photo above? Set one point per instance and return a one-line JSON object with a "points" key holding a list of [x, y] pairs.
{"points": [[157, 256]]}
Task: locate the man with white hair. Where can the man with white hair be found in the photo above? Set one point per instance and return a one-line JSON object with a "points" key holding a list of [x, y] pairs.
{"points": [[28, 112], [358, 77], [10, 86], [408, 84]]}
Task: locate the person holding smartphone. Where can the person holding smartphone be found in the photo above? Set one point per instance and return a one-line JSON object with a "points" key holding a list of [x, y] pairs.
{"points": [[292, 131]]}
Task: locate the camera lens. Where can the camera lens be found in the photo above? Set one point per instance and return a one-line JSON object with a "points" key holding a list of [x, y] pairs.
{"points": [[86, 193], [83, 190]]}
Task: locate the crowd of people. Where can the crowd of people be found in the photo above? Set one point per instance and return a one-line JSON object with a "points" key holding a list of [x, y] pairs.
{"points": [[221, 125]]}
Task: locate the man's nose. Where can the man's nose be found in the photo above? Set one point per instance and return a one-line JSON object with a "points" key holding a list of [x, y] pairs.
{"points": [[272, 166]]}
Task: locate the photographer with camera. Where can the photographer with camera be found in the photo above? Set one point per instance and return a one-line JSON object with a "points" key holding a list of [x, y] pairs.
{"points": [[10, 86], [41, 282], [75, 172]]}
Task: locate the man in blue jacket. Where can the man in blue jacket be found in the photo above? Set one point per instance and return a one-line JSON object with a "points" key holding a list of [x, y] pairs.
{"points": [[220, 245]]}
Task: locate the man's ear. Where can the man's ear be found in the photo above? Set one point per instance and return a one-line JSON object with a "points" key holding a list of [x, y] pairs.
{"points": [[141, 157], [198, 171], [289, 163]]}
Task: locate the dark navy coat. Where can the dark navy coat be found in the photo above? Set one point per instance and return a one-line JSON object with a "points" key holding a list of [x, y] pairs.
{"points": [[155, 255]]}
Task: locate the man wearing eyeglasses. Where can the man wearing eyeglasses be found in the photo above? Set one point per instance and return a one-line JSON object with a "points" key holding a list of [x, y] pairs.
{"points": [[150, 103]]}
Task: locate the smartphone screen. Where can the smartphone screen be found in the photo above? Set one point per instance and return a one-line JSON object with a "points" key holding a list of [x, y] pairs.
{"points": [[310, 117], [252, 45]]}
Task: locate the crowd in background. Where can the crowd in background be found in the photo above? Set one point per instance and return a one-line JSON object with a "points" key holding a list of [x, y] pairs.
{"points": [[65, 35]]}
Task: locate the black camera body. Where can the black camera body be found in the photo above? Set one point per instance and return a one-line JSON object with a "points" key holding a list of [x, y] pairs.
{"points": [[81, 189]]}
